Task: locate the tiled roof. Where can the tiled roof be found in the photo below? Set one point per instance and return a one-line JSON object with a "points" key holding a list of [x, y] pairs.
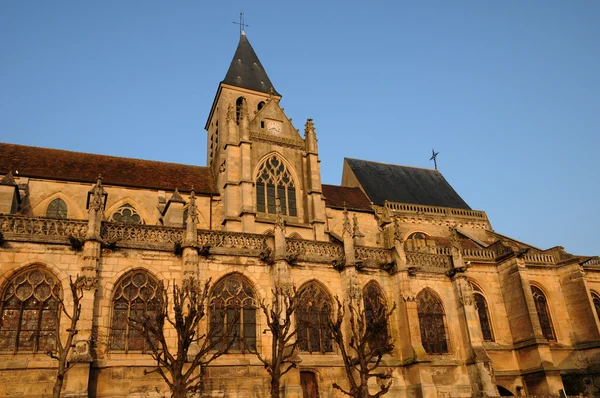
{"points": [[405, 184], [354, 198], [55, 164], [246, 71]]}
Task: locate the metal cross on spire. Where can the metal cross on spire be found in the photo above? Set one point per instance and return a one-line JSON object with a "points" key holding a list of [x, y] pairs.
{"points": [[241, 23], [434, 157]]}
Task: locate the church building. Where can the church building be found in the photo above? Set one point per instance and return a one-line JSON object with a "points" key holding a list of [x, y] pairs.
{"points": [[478, 314]]}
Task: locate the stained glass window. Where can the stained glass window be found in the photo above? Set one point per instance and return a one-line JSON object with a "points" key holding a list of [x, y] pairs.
{"points": [[233, 302], [596, 300], [57, 209], [375, 308], [29, 312], [541, 306], [274, 180], [431, 323], [484, 316], [136, 297], [312, 316], [127, 214]]}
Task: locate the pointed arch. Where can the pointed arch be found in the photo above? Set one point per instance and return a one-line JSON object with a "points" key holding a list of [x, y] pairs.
{"points": [[74, 211], [596, 302], [543, 313], [295, 235], [375, 306], [432, 322], [57, 209], [312, 316], [483, 312], [136, 295], [274, 176], [233, 307], [29, 311], [118, 209]]}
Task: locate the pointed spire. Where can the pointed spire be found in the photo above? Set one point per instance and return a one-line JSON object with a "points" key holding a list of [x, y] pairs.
{"points": [[347, 225], [8, 179], [191, 232], [310, 137], [246, 71], [97, 197], [176, 197]]}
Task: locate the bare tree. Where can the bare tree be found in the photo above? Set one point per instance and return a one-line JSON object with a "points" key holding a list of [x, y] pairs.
{"points": [[183, 367], [285, 343], [62, 351], [368, 342]]}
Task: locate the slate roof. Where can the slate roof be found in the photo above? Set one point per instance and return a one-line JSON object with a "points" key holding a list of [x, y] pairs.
{"points": [[354, 198], [246, 71], [404, 184], [63, 165]]}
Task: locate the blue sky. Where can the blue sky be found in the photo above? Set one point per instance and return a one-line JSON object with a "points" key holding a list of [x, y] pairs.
{"points": [[508, 92]]}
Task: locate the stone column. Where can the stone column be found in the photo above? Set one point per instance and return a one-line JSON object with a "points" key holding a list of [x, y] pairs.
{"points": [[76, 381], [231, 166], [314, 193], [189, 256]]}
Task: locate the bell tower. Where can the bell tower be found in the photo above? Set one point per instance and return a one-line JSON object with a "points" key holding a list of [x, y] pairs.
{"points": [[257, 155]]}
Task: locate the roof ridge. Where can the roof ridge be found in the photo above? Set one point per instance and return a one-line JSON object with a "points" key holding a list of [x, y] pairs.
{"points": [[394, 164], [100, 154]]}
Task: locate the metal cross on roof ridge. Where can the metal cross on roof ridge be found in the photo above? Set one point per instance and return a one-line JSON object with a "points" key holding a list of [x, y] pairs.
{"points": [[434, 157], [241, 23]]}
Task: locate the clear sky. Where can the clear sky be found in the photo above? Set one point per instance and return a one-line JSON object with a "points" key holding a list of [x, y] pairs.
{"points": [[507, 91]]}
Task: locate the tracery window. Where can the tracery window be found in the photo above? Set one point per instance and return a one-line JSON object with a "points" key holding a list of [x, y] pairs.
{"points": [[274, 180], [57, 209], [431, 323], [484, 314], [233, 309], [29, 313], [135, 297], [374, 305], [416, 241], [127, 214], [541, 306], [312, 316], [596, 300]]}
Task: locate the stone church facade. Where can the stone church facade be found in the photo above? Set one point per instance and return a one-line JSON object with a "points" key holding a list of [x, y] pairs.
{"points": [[478, 313]]}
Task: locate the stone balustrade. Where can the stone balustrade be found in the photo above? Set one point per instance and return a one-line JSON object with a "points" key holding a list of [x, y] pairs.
{"points": [[538, 258], [314, 249], [429, 261], [373, 255], [591, 261], [478, 254], [135, 234], [41, 229], [434, 210], [232, 240]]}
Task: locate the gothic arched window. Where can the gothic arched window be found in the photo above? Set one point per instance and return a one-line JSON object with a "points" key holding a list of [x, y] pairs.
{"points": [[484, 314], [239, 104], [274, 180], [541, 306], [596, 300], [127, 214], [57, 209], [416, 241], [431, 323], [233, 309], [312, 316], [136, 297], [375, 308], [29, 312]]}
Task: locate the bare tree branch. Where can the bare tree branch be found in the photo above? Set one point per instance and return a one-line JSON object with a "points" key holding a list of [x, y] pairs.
{"points": [[62, 351], [183, 365], [367, 342]]}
